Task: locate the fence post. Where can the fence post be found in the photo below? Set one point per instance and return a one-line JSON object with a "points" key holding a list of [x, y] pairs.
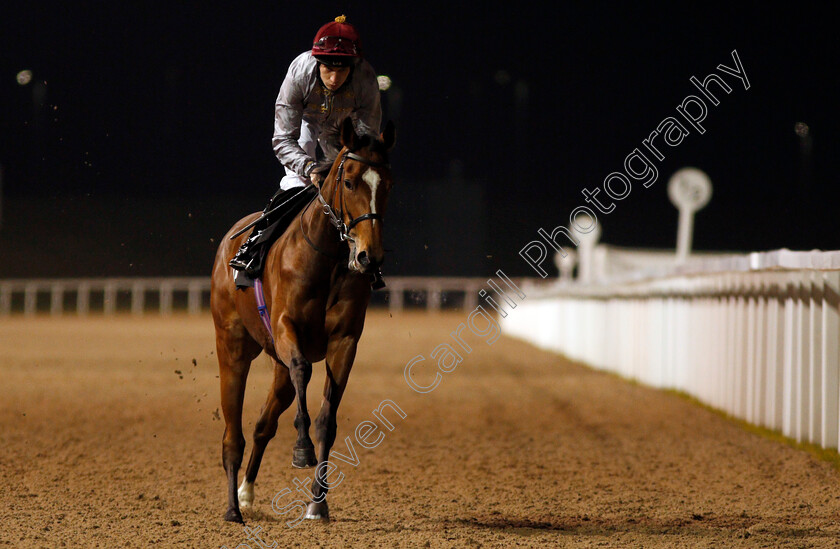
{"points": [[5, 299], [138, 298], [815, 307], [83, 299], [802, 376], [56, 299], [30, 299], [740, 357], [165, 298], [830, 358], [109, 298], [719, 318], [471, 296], [790, 352], [194, 298], [732, 344], [776, 358], [751, 351], [760, 356], [395, 297], [433, 298]]}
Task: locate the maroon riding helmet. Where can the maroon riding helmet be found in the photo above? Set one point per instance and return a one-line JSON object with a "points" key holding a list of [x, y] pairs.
{"points": [[337, 44]]}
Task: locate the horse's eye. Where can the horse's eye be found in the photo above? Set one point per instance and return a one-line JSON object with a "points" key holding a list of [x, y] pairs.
{"points": [[348, 184]]}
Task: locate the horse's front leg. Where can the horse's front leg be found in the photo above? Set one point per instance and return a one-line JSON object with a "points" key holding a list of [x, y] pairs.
{"points": [[280, 397], [340, 355], [304, 452], [300, 372]]}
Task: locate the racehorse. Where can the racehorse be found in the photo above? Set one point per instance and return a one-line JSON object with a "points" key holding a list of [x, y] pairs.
{"points": [[316, 292]]}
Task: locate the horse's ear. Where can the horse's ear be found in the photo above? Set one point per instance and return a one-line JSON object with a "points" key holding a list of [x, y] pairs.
{"points": [[348, 135], [389, 136]]}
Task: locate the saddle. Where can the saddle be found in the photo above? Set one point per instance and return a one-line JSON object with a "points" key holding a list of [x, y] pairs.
{"points": [[250, 259]]}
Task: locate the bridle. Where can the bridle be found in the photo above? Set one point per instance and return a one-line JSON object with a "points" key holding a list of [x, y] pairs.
{"points": [[337, 216]]}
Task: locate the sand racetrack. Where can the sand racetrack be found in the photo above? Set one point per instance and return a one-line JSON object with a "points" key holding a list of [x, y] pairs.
{"points": [[105, 444]]}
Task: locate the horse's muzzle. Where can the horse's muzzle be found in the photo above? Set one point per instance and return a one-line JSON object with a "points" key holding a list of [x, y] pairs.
{"points": [[366, 262]]}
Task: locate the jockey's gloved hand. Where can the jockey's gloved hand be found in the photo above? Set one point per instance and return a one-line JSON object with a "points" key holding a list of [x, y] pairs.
{"points": [[319, 171]]}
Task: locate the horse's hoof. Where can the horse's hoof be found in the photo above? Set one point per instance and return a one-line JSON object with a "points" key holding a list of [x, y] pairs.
{"points": [[317, 511], [246, 494], [233, 515], [304, 457]]}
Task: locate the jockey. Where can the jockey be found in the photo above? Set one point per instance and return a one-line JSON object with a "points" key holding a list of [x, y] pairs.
{"points": [[322, 87]]}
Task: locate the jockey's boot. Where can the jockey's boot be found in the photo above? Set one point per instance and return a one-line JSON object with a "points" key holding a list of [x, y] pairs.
{"points": [[244, 260], [246, 257]]}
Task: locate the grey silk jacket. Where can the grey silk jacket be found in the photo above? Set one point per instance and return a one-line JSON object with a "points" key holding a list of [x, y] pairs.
{"points": [[303, 97]]}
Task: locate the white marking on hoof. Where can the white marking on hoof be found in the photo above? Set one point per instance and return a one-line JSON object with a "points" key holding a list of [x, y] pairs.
{"points": [[246, 494]]}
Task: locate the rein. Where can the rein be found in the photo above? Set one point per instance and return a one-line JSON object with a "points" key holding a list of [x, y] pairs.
{"points": [[337, 219]]}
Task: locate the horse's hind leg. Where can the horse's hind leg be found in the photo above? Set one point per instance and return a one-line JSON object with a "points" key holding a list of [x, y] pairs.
{"points": [[236, 350], [280, 396]]}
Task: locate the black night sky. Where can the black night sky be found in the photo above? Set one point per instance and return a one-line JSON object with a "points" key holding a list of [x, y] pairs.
{"points": [[146, 130]]}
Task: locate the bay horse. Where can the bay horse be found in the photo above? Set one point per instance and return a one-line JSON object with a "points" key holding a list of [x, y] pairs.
{"points": [[317, 292]]}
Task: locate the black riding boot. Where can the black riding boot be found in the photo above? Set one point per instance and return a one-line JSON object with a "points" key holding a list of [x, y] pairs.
{"points": [[244, 259], [246, 254]]}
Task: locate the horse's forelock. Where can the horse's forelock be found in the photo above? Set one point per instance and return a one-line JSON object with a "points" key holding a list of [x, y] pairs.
{"points": [[376, 145], [372, 144]]}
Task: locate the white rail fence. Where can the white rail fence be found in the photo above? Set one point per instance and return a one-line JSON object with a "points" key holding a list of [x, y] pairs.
{"points": [[754, 335], [165, 295]]}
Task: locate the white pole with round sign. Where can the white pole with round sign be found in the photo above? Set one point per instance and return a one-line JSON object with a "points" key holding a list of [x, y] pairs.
{"points": [[689, 190]]}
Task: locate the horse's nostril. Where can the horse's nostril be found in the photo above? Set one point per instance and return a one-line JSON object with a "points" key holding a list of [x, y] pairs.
{"points": [[363, 259]]}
